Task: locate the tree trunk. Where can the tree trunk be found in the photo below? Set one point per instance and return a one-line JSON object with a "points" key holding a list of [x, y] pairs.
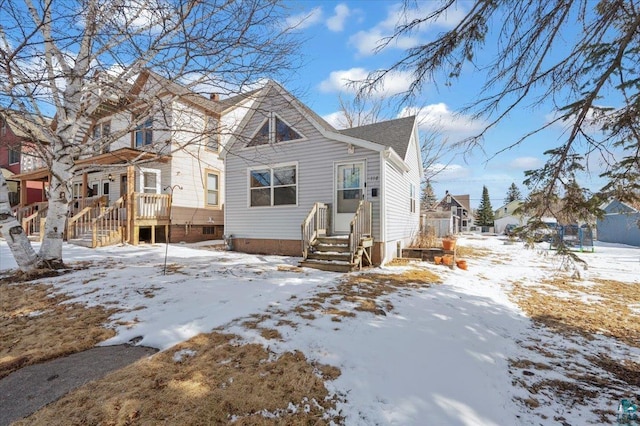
{"points": [[60, 196], [13, 233]]}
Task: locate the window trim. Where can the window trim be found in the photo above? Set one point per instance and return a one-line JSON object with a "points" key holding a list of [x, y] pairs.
{"points": [[143, 128], [271, 186], [413, 199], [14, 151], [158, 186], [207, 172], [101, 126], [271, 119]]}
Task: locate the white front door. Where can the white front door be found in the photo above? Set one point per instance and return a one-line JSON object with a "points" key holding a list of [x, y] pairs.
{"points": [[349, 190]]}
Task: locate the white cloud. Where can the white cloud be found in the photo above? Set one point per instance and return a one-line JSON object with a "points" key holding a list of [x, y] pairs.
{"points": [[346, 81], [448, 172], [335, 119], [305, 19], [367, 41], [341, 81], [336, 22], [438, 117], [525, 163]]}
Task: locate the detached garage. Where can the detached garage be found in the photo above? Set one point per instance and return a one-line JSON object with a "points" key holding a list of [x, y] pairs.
{"points": [[620, 224]]}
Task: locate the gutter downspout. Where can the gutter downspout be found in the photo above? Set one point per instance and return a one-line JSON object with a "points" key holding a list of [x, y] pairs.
{"points": [[383, 207]]}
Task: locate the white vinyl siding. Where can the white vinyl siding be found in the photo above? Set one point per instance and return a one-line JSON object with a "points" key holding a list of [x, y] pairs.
{"points": [[191, 165], [402, 223], [315, 157]]}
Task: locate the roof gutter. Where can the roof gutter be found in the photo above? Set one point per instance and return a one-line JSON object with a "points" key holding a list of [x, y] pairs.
{"points": [[390, 155]]}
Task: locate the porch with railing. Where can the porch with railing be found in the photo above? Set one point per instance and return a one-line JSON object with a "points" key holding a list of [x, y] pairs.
{"points": [[94, 223], [340, 253], [151, 206]]}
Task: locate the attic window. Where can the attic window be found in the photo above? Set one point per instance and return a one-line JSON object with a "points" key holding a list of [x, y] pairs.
{"points": [[274, 130]]}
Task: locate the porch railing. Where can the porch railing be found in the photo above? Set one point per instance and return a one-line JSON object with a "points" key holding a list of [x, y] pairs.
{"points": [[109, 224], [80, 224], [360, 227], [33, 223], [314, 225], [81, 203], [21, 212], [82, 212], [151, 206]]}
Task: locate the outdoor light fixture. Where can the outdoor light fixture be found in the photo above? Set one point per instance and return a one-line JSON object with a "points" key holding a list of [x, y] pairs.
{"points": [[351, 149], [110, 177]]}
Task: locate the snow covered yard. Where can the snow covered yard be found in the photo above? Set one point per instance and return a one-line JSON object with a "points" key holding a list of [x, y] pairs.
{"points": [[505, 342]]}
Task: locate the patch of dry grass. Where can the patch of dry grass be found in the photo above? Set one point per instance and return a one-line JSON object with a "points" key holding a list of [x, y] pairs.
{"points": [[579, 310], [365, 292], [472, 252], [214, 381], [606, 310], [36, 326]]}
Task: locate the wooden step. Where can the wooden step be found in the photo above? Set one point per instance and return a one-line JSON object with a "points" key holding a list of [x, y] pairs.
{"points": [[328, 266], [334, 239], [331, 256], [80, 242], [331, 248]]}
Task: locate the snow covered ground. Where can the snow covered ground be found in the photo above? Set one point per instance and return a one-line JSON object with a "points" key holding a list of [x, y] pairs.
{"points": [[440, 356]]}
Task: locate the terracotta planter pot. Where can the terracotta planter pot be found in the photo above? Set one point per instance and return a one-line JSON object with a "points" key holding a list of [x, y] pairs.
{"points": [[448, 244], [462, 264], [437, 259], [447, 260]]}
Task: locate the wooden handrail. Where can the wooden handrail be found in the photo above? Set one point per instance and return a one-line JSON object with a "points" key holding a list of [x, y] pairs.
{"points": [[32, 223], [80, 223], [111, 220], [359, 227], [151, 206], [22, 212], [314, 225], [80, 204]]}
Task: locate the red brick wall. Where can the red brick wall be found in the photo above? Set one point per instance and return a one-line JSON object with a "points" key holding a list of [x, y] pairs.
{"points": [[263, 246], [195, 233]]}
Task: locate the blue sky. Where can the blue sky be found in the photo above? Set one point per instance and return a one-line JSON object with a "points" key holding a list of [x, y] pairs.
{"points": [[340, 38]]}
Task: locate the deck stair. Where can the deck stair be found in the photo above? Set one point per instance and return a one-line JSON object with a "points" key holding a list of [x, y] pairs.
{"points": [[97, 226], [338, 253]]}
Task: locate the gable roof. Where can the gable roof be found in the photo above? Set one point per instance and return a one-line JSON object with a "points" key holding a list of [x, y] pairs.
{"points": [[394, 133], [463, 200], [385, 146], [25, 127]]}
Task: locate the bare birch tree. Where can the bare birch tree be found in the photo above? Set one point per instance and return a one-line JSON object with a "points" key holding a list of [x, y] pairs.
{"points": [[574, 54], [66, 59]]}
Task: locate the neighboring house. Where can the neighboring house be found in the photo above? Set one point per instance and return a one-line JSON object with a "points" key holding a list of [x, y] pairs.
{"points": [[506, 215], [163, 179], [18, 155], [452, 212], [286, 165], [620, 224]]}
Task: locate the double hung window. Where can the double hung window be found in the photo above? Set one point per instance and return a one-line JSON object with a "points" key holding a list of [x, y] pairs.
{"points": [[276, 186]]}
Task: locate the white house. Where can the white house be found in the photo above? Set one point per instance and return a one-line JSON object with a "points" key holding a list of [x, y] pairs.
{"points": [[506, 215], [161, 174], [293, 180]]}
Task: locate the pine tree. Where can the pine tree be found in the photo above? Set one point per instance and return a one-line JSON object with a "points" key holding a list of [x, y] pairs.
{"points": [[513, 194], [485, 212], [429, 200]]}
